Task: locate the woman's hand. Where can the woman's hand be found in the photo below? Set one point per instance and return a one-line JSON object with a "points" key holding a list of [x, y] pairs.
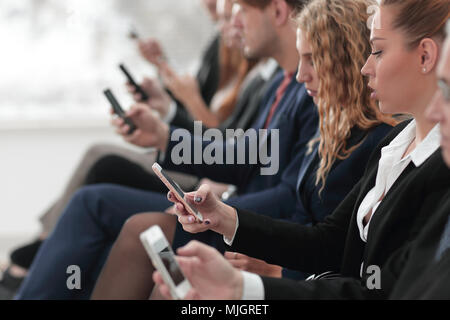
{"points": [[242, 262], [152, 51], [185, 88], [217, 216]]}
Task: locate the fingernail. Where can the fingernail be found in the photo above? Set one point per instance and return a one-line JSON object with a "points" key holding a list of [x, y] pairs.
{"points": [[207, 222], [198, 199], [170, 196], [191, 219]]}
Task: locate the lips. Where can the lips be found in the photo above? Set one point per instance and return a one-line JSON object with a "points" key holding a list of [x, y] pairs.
{"points": [[312, 93]]}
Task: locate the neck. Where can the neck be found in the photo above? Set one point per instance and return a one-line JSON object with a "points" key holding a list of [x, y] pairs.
{"points": [[423, 125], [286, 52], [423, 128]]}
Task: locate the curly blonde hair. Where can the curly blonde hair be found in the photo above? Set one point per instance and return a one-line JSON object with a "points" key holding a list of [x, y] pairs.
{"points": [[338, 35]]}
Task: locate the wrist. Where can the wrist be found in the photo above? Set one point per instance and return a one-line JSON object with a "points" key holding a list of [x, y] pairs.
{"points": [[228, 221], [164, 137]]}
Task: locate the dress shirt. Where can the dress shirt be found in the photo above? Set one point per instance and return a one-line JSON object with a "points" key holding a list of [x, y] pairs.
{"points": [[391, 166]]}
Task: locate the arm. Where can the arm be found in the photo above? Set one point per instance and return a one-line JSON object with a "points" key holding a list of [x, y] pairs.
{"points": [[186, 90], [313, 249]]}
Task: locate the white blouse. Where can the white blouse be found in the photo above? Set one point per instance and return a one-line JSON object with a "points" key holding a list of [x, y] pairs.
{"points": [[391, 166]]}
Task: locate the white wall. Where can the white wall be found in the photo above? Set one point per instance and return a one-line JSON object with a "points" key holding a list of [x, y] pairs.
{"points": [[35, 164]]}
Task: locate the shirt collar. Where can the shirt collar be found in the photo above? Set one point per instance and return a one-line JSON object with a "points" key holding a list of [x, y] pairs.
{"points": [[423, 151], [268, 68], [427, 147]]}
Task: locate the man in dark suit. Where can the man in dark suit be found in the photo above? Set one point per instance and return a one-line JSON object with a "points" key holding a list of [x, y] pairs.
{"points": [[98, 213]]}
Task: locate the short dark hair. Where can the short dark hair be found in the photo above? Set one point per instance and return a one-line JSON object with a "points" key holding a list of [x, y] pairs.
{"points": [[297, 5]]}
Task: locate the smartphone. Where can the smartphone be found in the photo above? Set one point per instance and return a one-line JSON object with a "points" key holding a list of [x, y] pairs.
{"points": [[144, 95], [118, 110], [176, 190], [163, 259]]}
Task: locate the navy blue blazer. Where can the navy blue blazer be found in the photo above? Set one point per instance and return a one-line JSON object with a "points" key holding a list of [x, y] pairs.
{"points": [[312, 207], [297, 120]]}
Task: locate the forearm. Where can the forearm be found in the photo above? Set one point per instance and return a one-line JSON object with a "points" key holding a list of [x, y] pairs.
{"points": [[200, 111]]}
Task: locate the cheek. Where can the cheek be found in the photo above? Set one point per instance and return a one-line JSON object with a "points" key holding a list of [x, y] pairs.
{"points": [[395, 81]]}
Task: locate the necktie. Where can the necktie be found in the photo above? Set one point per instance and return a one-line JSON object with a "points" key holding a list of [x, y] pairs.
{"points": [[279, 95]]}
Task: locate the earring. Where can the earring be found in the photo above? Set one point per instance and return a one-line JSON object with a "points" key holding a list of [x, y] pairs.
{"points": [[424, 70]]}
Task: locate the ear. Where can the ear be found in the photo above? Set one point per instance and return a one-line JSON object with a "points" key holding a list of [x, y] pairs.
{"points": [[429, 53], [282, 12]]}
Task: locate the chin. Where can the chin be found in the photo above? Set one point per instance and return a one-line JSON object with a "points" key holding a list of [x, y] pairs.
{"points": [[388, 108]]}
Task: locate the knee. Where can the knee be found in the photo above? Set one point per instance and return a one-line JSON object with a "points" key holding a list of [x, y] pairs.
{"points": [[138, 223], [105, 168], [88, 197]]}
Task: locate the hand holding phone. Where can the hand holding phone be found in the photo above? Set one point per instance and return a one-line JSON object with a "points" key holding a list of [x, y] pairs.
{"points": [[118, 110], [163, 259], [176, 190], [137, 87]]}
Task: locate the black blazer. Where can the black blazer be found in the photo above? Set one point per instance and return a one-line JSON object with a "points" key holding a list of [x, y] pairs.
{"points": [[422, 276], [335, 244]]}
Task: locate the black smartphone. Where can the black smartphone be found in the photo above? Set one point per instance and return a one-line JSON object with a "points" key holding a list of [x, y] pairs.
{"points": [[144, 95], [118, 110]]}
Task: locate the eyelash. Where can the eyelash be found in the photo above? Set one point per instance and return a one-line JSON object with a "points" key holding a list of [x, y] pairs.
{"points": [[376, 53]]}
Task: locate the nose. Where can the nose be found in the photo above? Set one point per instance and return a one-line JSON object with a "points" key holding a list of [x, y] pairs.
{"points": [[236, 16], [368, 70], [434, 110], [303, 76]]}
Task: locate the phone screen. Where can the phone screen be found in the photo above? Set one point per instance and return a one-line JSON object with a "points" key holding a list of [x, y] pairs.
{"points": [[174, 184], [171, 265]]}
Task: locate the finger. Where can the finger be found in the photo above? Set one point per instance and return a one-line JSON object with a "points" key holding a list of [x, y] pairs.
{"points": [[230, 255], [198, 249], [130, 88], [135, 110], [202, 193], [137, 96], [191, 295], [124, 130], [132, 138], [171, 197], [117, 121], [238, 264], [186, 219]]}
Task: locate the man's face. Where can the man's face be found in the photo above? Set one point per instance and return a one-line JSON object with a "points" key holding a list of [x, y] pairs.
{"points": [[439, 110], [257, 29]]}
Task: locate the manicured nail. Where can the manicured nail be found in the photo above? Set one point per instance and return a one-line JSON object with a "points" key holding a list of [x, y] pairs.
{"points": [[170, 196], [198, 199], [207, 222], [191, 219]]}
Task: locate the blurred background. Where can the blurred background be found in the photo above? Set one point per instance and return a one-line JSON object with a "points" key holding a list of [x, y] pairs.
{"points": [[56, 57]]}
